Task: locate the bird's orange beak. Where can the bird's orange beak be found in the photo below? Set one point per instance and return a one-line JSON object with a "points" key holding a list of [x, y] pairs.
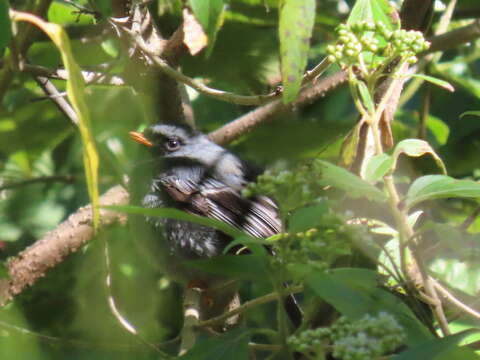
{"points": [[140, 138]]}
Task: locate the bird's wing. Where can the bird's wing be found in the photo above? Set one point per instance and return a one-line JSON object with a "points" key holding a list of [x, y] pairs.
{"points": [[257, 216]]}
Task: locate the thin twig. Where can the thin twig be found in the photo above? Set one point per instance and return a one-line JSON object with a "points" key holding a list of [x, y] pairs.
{"points": [[471, 219], [191, 318], [265, 347], [248, 305], [454, 301], [62, 104], [37, 180]]}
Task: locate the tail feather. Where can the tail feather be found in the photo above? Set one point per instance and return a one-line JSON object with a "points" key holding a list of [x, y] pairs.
{"points": [[292, 308]]}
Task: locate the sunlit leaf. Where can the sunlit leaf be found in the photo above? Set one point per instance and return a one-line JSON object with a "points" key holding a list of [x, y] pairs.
{"points": [[76, 95], [439, 82], [470, 113], [432, 187], [343, 179], [416, 148], [377, 167], [375, 11], [295, 29], [209, 15]]}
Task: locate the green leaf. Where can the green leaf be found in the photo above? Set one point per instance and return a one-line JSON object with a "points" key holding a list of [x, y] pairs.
{"points": [[178, 215], [416, 148], [436, 81], [432, 187], [233, 346], [306, 217], [440, 349], [111, 47], [5, 26], [470, 113], [375, 11], [76, 96], [366, 98], [377, 167], [295, 29], [343, 179], [439, 129], [3, 270], [354, 292], [244, 267], [209, 14]]}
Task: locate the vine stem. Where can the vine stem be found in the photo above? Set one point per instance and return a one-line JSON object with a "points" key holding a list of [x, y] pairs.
{"points": [[405, 230]]}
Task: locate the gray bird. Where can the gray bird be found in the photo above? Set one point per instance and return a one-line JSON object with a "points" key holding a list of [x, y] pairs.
{"points": [[197, 176]]}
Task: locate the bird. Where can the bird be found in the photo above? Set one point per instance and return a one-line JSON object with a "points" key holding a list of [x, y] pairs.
{"points": [[195, 175]]}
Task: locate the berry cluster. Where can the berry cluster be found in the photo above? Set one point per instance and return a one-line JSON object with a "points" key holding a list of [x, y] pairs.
{"points": [[358, 40], [364, 339], [318, 246]]}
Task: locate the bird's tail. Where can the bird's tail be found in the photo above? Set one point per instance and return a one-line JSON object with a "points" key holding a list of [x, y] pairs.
{"points": [[293, 310]]}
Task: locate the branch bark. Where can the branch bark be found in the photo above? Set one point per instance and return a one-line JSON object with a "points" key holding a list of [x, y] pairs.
{"points": [[33, 262]]}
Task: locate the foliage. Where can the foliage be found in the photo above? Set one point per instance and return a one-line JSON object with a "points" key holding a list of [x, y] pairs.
{"points": [[371, 247]]}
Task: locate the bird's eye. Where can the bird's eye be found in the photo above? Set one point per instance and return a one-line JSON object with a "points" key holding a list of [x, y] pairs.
{"points": [[172, 144]]}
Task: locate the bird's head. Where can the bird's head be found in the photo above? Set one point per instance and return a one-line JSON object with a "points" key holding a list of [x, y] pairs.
{"points": [[177, 143]]}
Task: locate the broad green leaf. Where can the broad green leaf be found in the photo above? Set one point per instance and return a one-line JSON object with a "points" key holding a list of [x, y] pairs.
{"points": [[209, 14], [416, 148], [470, 113], [64, 14], [343, 179], [432, 187], [458, 273], [377, 167], [439, 129], [375, 11], [5, 26], [436, 81], [178, 215], [295, 29], [440, 349], [244, 267], [457, 260], [76, 95], [232, 346], [111, 47], [354, 292], [14, 324], [306, 217]]}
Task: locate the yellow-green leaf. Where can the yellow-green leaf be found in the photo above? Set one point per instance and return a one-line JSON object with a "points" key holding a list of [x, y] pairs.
{"points": [[75, 93]]}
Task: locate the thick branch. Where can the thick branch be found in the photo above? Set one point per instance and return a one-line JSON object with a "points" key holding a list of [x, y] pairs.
{"points": [[249, 121], [455, 37], [32, 263]]}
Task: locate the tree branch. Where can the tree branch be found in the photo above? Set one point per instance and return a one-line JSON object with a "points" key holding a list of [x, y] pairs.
{"points": [[33, 262], [249, 121]]}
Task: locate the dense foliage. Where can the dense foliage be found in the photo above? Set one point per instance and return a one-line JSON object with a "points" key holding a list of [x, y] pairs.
{"points": [[366, 125]]}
